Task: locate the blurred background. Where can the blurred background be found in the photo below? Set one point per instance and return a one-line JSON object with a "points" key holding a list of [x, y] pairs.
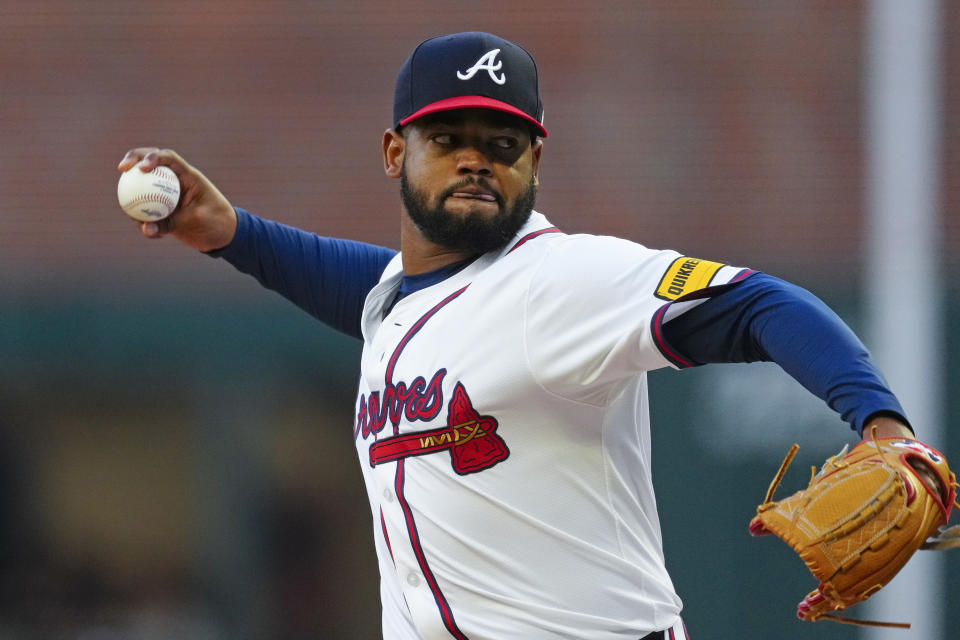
{"points": [[176, 458]]}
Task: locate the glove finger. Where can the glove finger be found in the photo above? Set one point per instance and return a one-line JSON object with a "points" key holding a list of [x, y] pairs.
{"points": [[757, 528], [812, 605]]}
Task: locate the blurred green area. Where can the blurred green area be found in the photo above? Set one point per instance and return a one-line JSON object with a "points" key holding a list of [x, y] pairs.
{"points": [[185, 468], [186, 464], [730, 582]]}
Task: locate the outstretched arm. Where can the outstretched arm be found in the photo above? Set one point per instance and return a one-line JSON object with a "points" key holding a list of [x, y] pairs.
{"points": [[764, 318], [767, 319], [329, 278]]}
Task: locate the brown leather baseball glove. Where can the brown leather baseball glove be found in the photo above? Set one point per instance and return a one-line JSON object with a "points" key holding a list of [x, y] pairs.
{"points": [[861, 518]]}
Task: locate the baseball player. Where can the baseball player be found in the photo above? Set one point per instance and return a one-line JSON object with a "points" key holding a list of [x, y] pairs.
{"points": [[501, 419]]}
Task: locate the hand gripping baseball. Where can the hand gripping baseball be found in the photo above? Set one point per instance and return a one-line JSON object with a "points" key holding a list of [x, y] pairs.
{"points": [[861, 518], [203, 219]]}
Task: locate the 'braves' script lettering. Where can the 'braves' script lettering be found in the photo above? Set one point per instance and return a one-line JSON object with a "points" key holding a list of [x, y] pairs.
{"points": [[417, 401]]}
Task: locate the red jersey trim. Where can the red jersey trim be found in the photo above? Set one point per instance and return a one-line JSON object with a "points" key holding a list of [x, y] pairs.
{"points": [[446, 614], [535, 234]]}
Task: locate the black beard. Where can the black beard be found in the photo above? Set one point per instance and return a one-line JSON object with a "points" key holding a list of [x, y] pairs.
{"points": [[472, 233]]}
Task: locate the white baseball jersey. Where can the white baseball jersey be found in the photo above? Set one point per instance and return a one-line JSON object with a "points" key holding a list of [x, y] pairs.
{"points": [[502, 427]]}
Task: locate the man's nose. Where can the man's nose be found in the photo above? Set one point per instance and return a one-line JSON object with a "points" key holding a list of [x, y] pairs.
{"points": [[473, 161]]}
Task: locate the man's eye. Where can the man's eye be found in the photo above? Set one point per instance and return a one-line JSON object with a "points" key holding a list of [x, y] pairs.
{"points": [[505, 143], [443, 138]]}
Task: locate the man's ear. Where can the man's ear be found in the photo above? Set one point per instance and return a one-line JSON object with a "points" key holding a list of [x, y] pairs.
{"points": [[393, 149], [537, 150]]}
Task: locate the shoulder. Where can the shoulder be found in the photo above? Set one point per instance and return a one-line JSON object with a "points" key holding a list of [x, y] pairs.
{"points": [[611, 266], [594, 260], [541, 239]]}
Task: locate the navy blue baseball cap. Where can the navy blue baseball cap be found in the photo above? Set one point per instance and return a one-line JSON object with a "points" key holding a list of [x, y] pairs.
{"points": [[468, 70]]}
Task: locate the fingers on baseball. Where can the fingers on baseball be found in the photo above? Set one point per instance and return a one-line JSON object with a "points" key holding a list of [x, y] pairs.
{"points": [[134, 156], [147, 159]]}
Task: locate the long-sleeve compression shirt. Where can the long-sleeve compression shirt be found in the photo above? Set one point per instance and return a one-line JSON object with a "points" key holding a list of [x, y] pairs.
{"points": [[760, 318]]}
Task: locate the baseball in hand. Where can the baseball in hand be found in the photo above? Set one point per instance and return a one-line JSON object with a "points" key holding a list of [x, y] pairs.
{"points": [[149, 196]]}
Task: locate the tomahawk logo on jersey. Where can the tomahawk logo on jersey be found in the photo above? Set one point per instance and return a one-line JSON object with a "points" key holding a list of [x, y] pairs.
{"points": [[470, 438]]}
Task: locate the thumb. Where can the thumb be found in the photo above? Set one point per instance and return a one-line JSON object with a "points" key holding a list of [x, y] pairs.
{"points": [[152, 229]]}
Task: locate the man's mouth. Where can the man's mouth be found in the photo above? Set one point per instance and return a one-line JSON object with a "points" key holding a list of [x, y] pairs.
{"points": [[474, 196], [474, 190]]}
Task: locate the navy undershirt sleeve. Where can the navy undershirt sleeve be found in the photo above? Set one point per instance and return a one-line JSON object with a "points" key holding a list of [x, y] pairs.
{"points": [[329, 278], [764, 318]]}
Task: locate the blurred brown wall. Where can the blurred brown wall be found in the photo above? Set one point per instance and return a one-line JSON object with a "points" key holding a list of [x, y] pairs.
{"points": [[725, 129]]}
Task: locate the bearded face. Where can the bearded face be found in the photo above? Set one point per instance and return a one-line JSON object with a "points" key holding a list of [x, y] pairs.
{"points": [[472, 230]]}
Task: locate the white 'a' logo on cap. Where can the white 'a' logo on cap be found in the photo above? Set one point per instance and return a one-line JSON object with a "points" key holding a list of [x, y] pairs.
{"points": [[488, 62]]}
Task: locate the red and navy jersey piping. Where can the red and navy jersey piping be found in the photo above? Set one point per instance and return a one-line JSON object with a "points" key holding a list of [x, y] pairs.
{"points": [[446, 614], [533, 234]]}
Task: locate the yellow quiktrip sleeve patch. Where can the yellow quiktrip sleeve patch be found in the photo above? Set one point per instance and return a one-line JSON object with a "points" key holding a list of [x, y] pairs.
{"points": [[686, 275]]}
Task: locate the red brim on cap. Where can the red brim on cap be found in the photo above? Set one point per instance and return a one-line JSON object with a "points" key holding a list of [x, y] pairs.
{"points": [[478, 102]]}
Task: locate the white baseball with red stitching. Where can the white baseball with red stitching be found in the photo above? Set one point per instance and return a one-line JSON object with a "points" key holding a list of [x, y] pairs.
{"points": [[148, 196]]}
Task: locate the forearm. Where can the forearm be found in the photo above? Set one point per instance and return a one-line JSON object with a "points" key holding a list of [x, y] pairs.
{"points": [[811, 343], [326, 277], [767, 319]]}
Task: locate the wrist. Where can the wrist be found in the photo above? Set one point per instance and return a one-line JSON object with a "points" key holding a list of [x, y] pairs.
{"points": [[887, 427], [219, 234]]}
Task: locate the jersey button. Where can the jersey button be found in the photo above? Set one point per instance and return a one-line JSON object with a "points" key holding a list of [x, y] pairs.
{"points": [[413, 579], [388, 495]]}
